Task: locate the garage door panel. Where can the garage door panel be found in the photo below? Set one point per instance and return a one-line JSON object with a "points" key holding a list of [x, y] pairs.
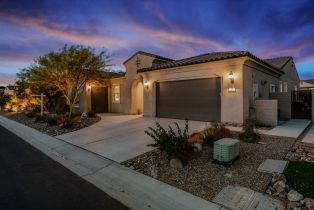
{"points": [[189, 99]]}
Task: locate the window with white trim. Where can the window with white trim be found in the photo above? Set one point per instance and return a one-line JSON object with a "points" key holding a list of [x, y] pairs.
{"points": [[272, 88], [285, 87], [116, 94], [280, 87]]}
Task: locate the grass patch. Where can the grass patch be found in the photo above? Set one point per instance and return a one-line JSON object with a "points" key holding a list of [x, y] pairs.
{"points": [[299, 176]]}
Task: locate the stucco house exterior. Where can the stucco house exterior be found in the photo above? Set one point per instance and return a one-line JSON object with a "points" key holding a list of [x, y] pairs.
{"points": [[219, 86], [307, 84]]}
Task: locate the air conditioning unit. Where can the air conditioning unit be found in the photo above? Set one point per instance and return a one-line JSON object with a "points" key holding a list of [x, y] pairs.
{"points": [[226, 151]]}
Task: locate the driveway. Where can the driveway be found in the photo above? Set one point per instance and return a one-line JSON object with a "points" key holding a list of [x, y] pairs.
{"points": [[121, 137]]}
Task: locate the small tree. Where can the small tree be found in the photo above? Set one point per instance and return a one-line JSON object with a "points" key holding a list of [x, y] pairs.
{"points": [[68, 71]]}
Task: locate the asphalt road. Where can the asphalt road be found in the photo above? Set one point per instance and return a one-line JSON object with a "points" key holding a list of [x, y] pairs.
{"points": [[31, 180]]}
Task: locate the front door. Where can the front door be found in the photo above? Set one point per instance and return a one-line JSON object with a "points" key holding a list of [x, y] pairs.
{"points": [[99, 99]]}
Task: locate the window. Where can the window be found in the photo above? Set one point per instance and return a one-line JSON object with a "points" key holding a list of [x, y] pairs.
{"points": [[285, 87], [116, 93], [280, 87], [272, 88]]}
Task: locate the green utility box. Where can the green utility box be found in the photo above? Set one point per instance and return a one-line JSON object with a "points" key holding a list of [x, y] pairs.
{"points": [[226, 151]]}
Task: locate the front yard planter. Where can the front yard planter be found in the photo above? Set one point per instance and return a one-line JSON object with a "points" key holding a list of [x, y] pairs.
{"points": [[201, 177]]}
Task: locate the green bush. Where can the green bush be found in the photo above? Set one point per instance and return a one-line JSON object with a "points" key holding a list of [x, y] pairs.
{"points": [[39, 117], [215, 132], [91, 114], [175, 144], [248, 134], [31, 114], [64, 121], [4, 99], [52, 119]]}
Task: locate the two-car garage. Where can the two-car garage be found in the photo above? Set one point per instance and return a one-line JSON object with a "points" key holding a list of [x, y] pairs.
{"points": [[197, 99]]}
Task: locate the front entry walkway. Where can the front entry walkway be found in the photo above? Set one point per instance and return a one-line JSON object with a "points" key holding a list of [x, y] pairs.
{"points": [[293, 128], [121, 137], [309, 137]]}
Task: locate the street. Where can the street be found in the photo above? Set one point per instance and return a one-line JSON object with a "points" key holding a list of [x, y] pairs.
{"points": [[31, 180]]}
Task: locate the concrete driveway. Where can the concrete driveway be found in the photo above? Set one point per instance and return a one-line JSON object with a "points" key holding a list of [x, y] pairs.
{"points": [[121, 137]]}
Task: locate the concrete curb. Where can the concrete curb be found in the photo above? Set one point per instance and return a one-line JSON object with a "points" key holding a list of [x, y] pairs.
{"points": [[131, 188]]}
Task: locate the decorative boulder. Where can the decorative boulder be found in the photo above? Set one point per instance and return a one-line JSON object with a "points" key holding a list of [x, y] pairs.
{"points": [[84, 115], [176, 163], [309, 203], [197, 147], [279, 186], [294, 196]]}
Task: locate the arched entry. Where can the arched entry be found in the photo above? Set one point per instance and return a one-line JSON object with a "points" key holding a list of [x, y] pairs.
{"points": [[137, 97]]}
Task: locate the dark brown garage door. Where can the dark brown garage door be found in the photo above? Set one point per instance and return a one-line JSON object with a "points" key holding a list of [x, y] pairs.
{"points": [[197, 99], [99, 100]]}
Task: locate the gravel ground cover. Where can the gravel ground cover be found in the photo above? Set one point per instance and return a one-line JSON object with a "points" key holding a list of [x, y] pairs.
{"points": [[204, 179], [48, 129], [301, 151]]}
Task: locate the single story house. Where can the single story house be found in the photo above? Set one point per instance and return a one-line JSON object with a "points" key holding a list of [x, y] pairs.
{"points": [[307, 84], [218, 86]]}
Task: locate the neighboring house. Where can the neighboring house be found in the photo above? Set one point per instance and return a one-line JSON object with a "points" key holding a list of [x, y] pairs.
{"points": [[10, 90], [307, 84], [220, 86], [2, 88]]}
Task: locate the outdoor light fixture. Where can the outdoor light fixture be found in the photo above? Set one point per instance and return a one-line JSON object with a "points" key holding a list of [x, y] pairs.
{"points": [[231, 89], [146, 85], [89, 88], [231, 77]]}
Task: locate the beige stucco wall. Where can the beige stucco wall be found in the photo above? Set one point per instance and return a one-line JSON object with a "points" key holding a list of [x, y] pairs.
{"points": [[291, 76], [231, 103], [266, 112], [255, 73]]}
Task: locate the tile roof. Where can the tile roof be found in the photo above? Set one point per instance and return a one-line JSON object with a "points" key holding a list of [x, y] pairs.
{"points": [[149, 54], [311, 81], [279, 62], [204, 58]]}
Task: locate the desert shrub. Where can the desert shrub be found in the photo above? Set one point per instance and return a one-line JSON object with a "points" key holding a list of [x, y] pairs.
{"points": [[39, 117], [249, 134], [174, 143], [215, 132], [31, 113], [51, 119], [77, 114], [65, 121], [4, 99], [91, 114]]}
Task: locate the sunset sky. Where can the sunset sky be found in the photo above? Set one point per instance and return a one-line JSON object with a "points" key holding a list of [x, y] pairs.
{"points": [[175, 29]]}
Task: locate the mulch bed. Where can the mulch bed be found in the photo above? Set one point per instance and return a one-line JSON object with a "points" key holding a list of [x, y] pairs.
{"points": [[204, 179], [48, 129]]}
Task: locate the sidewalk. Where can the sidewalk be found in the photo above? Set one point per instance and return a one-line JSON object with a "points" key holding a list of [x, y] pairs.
{"points": [[293, 128], [131, 188], [309, 137]]}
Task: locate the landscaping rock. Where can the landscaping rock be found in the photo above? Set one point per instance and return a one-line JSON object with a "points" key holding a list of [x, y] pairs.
{"points": [[294, 196], [176, 163], [293, 205], [279, 186], [154, 171], [278, 177], [197, 147], [84, 115], [309, 203]]}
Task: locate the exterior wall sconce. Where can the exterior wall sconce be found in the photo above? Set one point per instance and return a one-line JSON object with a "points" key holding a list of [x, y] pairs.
{"points": [[231, 89], [231, 77], [146, 86], [89, 88]]}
